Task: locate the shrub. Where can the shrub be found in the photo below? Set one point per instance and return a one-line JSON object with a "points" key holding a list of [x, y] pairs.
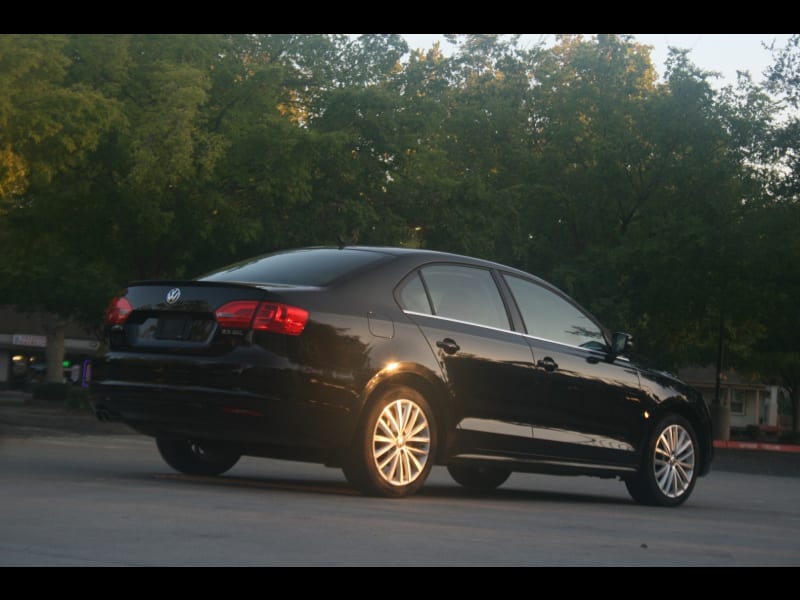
{"points": [[56, 392], [78, 399], [789, 437], [74, 398]]}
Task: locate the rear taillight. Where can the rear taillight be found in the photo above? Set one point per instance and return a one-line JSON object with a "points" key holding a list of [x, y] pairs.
{"points": [[118, 311], [264, 316], [280, 318], [237, 315]]}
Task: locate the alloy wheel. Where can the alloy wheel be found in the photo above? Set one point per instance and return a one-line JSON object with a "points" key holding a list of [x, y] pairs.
{"points": [[401, 442], [674, 461]]}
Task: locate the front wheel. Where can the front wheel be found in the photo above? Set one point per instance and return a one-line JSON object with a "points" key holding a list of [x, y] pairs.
{"points": [[669, 465], [395, 445], [478, 478], [196, 458]]}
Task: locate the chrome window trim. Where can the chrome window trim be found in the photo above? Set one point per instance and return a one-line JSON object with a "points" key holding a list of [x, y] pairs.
{"points": [[519, 333], [418, 314]]}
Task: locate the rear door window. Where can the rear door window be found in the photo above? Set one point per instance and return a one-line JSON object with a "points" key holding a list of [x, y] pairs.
{"points": [[464, 293]]}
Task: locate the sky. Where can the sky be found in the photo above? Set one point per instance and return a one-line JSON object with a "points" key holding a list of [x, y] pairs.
{"points": [[721, 52]]}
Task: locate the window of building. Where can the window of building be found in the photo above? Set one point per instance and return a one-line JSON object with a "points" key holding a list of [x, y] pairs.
{"points": [[738, 402]]}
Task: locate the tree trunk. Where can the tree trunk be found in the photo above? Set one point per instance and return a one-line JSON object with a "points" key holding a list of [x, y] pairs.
{"points": [[720, 411], [55, 350], [721, 421]]}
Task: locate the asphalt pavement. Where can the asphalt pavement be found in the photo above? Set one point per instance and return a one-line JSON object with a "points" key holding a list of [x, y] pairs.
{"points": [[22, 416]]}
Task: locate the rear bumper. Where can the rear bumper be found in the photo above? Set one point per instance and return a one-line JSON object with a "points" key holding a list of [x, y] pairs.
{"points": [[160, 410], [236, 402]]}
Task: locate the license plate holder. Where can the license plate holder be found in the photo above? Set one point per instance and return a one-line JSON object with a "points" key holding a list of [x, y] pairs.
{"points": [[173, 328]]}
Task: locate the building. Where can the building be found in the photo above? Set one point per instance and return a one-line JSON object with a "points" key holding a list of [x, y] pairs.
{"points": [[751, 403], [23, 340]]}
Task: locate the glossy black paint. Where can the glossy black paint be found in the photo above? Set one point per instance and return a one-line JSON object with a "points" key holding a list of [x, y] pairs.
{"points": [[502, 396]]}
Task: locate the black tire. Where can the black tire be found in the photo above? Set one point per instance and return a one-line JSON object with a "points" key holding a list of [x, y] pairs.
{"points": [[478, 478], [383, 460], [669, 464], [196, 458]]}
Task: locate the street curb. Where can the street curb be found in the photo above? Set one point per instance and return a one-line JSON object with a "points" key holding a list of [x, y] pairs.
{"points": [[756, 446]]}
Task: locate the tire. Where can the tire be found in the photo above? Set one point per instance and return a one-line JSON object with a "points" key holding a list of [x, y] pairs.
{"points": [[196, 458], [395, 445], [478, 478], [669, 465]]}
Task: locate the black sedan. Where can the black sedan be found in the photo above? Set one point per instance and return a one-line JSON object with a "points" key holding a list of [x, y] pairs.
{"points": [[386, 361]]}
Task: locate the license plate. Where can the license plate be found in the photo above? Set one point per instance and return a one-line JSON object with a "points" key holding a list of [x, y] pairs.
{"points": [[170, 328]]}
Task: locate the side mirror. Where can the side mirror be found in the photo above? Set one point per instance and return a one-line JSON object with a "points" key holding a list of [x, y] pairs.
{"points": [[621, 343]]}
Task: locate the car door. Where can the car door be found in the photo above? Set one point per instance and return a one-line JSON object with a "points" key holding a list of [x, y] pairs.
{"points": [[488, 367], [589, 406]]}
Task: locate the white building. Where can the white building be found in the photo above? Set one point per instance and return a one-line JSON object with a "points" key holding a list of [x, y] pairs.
{"points": [[751, 403]]}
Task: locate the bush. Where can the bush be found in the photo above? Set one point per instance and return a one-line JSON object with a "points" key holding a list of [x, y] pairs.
{"points": [[78, 399], [753, 433], [74, 398], [54, 392], [790, 437]]}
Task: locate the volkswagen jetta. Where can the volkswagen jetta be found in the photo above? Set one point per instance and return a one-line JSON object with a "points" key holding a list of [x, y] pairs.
{"points": [[386, 361]]}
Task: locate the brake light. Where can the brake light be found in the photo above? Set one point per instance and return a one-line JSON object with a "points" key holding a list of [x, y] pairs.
{"points": [[280, 318], [264, 316], [118, 311], [237, 315]]}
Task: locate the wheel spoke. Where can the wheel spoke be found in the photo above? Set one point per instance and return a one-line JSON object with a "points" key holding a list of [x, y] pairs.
{"points": [[682, 475], [390, 423], [381, 450], [411, 458], [685, 452], [397, 417], [671, 433], [389, 466], [419, 444], [663, 477], [422, 425], [406, 467]]}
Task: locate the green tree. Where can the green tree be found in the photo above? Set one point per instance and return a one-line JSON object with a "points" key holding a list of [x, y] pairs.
{"points": [[49, 125], [160, 156], [775, 353], [458, 181], [782, 147], [776, 256]]}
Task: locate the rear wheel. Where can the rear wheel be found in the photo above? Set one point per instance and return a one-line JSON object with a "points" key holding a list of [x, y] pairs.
{"points": [[395, 445], [478, 478], [196, 458], [669, 465]]}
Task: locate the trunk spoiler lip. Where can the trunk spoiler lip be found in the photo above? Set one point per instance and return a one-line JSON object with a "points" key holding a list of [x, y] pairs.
{"points": [[217, 284]]}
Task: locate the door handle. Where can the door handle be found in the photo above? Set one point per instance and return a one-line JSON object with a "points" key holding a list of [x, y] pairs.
{"points": [[547, 363], [448, 345]]}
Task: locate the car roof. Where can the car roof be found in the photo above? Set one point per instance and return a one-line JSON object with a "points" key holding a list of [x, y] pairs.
{"points": [[440, 255]]}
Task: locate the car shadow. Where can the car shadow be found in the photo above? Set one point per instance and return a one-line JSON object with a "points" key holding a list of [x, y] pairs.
{"points": [[430, 490]]}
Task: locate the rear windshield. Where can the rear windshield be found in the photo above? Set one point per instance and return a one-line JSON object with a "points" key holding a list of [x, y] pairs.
{"points": [[312, 266]]}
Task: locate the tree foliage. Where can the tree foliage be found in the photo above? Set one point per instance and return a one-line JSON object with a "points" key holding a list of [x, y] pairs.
{"points": [[663, 204]]}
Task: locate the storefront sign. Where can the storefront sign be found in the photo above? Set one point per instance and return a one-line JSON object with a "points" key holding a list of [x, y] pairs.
{"points": [[35, 341]]}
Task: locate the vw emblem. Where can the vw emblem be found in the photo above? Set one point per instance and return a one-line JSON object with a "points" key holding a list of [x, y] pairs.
{"points": [[173, 295]]}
